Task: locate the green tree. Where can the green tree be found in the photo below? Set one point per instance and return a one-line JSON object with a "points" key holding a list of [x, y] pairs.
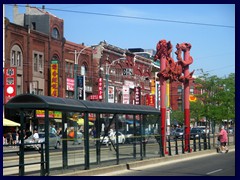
{"points": [[178, 116], [217, 100]]}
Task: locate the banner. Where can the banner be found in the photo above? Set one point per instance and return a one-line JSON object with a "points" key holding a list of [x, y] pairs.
{"points": [[70, 84], [54, 78], [150, 100], [111, 94], [80, 86], [126, 96], [137, 92], [100, 89], [10, 83]]}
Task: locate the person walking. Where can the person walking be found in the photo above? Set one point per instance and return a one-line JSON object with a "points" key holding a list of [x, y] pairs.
{"points": [[53, 130], [14, 138], [223, 138], [111, 139], [35, 139], [9, 138]]}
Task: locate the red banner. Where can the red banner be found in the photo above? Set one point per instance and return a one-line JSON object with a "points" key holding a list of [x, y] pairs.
{"points": [[137, 91], [150, 100], [10, 83], [100, 88]]}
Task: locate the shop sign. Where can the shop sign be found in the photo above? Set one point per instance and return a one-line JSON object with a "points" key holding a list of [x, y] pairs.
{"points": [[10, 83]]}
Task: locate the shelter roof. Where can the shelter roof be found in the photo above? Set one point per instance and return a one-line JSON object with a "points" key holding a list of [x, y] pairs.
{"points": [[31, 101]]}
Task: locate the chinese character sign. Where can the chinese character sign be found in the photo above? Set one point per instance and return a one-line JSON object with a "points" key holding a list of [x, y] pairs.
{"points": [[111, 94], [152, 86], [54, 79], [100, 88], [137, 92], [80, 85], [150, 100], [10, 83], [70, 84], [126, 96]]}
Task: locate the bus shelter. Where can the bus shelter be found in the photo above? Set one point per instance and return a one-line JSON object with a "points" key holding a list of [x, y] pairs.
{"points": [[108, 114]]}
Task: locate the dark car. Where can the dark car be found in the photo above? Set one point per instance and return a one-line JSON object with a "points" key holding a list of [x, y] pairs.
{"points": [[197, 132], [179, 132]]}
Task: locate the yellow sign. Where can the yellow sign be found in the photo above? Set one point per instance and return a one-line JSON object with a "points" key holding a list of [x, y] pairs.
{"points": [[152, 86], [52, 114], [192, 98], [54, 80]]}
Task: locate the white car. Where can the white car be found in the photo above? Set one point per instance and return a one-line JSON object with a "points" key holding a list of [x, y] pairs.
{"points": [[54, 141], [121, 138]]}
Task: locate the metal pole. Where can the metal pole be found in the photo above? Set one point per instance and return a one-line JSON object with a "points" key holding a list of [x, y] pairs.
{"points": [[21, 158], [106, 91], [86, 141], [107, 76], [64, 141], [75, 75], [75, 92]]}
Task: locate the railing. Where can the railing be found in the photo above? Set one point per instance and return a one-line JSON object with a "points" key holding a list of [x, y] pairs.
{"points": [[135, 148], [21, 163]]}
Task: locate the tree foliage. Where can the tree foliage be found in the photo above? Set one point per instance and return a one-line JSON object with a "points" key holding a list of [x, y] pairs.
{"points": [[217, 100]]}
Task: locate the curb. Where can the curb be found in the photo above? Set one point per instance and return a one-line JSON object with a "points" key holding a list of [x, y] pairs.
{"points": [[114, 168]]}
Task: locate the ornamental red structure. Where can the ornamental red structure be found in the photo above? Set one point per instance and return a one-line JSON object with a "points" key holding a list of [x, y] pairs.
{"points": [[174, 71]]}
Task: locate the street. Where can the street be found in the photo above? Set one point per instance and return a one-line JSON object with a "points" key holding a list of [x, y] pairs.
{"points": [[212, 165]]}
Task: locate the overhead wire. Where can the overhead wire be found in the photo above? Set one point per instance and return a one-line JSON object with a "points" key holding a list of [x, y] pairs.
{"points": [[140, 18]]}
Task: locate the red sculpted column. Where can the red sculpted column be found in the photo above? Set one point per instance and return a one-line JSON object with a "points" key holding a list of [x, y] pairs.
{"points": [[187, 62], [163, 104], [162, 56]]}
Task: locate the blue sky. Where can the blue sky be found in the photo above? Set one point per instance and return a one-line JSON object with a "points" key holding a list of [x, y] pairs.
{"points": [[213, 46]]}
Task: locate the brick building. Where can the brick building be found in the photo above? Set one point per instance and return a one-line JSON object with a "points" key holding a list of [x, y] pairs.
{"points": [[34, 43]]}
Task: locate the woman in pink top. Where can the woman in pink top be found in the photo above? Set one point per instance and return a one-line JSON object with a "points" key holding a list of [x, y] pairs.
{"points": [[223, 137]]}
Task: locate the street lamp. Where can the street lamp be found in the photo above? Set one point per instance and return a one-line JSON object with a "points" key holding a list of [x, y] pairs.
{"points": [[76, 57], [107, 74]]}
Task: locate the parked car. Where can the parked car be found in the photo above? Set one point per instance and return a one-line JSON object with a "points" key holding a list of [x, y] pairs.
{"points": [[54, 141], [197, 132], [204, 128], [179, 132], [121, 138]]}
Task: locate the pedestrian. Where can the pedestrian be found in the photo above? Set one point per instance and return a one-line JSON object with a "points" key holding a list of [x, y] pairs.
{"points": [[9, 138], [3, 140], [35, 139], [14, 136], [59, 132], [110, 139], [223, 138], [27, 134], [53, 130], [17, 137]]}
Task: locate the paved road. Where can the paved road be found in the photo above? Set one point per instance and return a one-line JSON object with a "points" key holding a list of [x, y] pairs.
{"points": [[210, 165]]}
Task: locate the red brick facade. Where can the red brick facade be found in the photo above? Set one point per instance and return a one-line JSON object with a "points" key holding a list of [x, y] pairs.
{"points": [[36, 46]]}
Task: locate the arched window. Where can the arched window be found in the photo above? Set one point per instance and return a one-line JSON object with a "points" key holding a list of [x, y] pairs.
{"points": [[16, 56], [55, 33], [84, 69]]}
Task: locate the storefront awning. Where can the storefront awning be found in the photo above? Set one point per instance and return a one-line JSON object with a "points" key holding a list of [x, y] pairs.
{"points": [[7, 122]]}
